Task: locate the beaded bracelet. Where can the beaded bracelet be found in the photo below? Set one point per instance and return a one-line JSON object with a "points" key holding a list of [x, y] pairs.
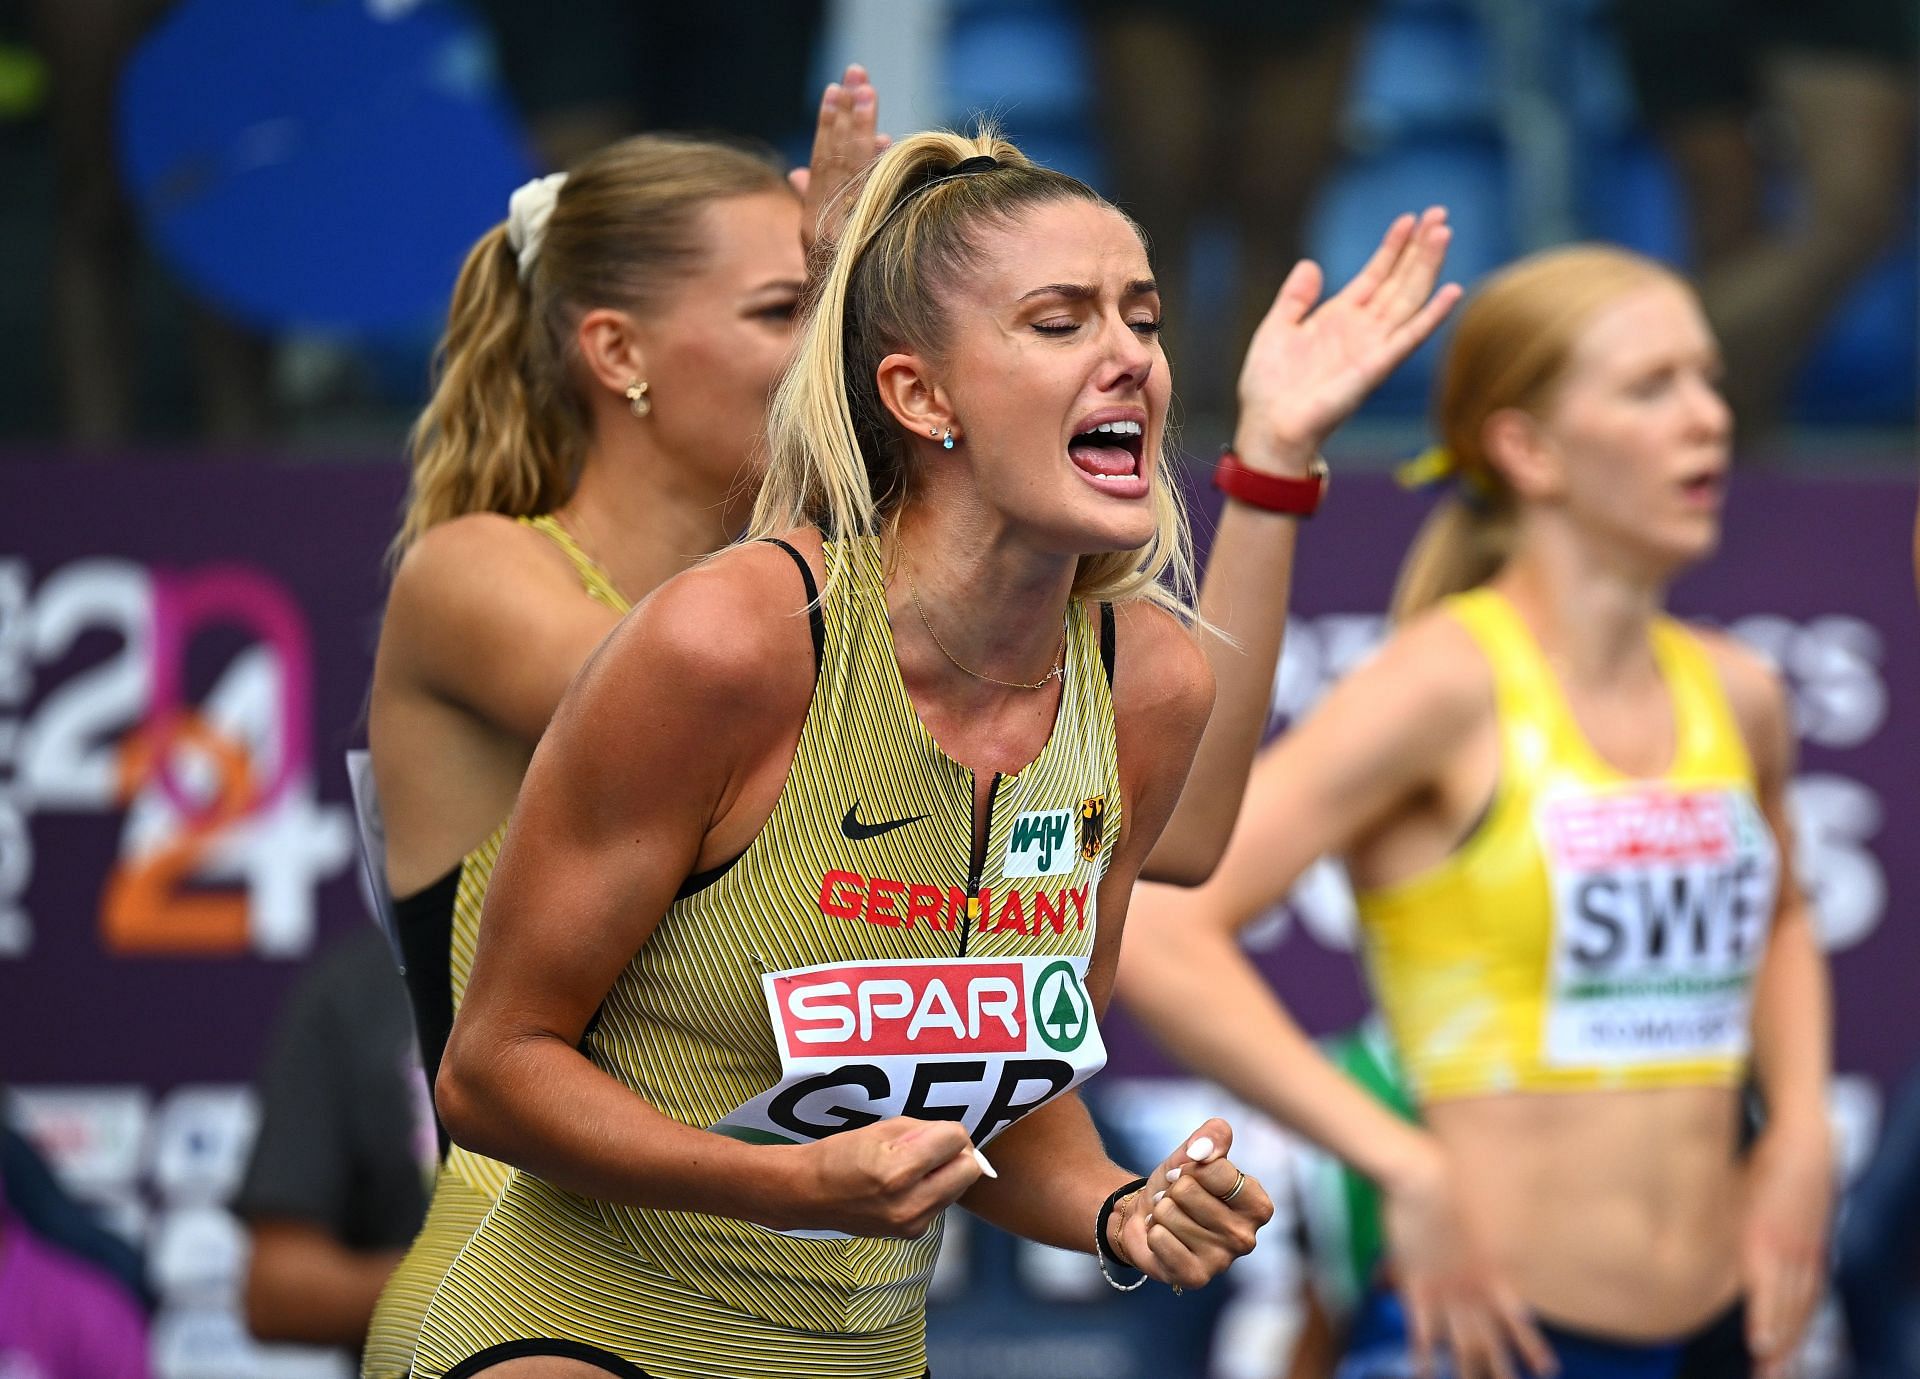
{"points": [[1100, 1249]]}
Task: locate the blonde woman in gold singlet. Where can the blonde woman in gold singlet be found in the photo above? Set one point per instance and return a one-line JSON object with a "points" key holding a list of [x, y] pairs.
{"points": [[1564, 815], [601, 395], [816, 882]]}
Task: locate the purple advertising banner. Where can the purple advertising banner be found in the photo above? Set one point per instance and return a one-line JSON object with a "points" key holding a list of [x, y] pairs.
{"points": [[184, 654]]}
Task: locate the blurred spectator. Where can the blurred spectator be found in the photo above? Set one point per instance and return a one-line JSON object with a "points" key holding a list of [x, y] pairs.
{"points": [[62, 1316], [1879, 1247], [619, 66], [1816, 93], [1227, 108], [1342, 1234], [85, 43], [337, 1186], [35, 1198]]}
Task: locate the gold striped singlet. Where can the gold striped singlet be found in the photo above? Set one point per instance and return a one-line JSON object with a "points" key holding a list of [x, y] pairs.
{"points": [[439, 928], [850, 965]]}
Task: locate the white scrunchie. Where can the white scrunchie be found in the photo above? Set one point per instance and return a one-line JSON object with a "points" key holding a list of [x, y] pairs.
{"points": [[528, 211]]}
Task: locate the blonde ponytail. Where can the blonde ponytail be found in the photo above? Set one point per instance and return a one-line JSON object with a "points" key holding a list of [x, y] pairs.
{"points": [[1509, 349], [482, 444], [839, 461], [1459, 547], [507, 425]]}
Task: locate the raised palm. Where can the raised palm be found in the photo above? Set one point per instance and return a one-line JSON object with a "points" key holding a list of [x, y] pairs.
{"points": [[846, 139], [1312, 362]]}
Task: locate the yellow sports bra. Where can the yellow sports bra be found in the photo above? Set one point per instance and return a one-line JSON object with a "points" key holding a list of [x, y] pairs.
{"points": [[1595, 930]]}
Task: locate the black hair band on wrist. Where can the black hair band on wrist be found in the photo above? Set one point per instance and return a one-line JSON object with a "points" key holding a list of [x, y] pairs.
{"points": [[1105, 1255]]}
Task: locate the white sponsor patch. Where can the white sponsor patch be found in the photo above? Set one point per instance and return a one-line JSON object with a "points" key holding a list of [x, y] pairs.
{"points": [[1662, 903], [1042, 843]]}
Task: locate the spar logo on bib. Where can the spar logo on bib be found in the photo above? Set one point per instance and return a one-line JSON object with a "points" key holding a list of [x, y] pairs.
{"points": [[1064, 1013], [981, 1042], [1040, 844], [1662, 901]]}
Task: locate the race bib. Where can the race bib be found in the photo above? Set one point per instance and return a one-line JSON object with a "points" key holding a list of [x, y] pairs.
{"points": [[1662, 903], [978, 1041]]}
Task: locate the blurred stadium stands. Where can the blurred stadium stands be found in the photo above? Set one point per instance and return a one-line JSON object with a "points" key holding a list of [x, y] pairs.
{"points": [[1516, 114]]}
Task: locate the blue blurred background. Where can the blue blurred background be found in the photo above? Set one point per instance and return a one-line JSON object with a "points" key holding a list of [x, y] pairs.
{"points": [[236, 223]]}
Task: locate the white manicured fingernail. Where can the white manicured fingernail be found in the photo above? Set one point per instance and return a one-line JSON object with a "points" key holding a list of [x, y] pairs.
{"points": [[1172, 1174], [1158, 1195], [985, 1167], [1199, 1149]]}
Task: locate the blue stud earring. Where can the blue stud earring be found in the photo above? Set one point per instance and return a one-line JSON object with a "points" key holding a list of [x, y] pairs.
{"points": [[946, 442]]}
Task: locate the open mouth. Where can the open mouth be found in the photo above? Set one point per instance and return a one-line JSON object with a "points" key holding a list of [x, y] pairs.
{"points": [[1110, 452], [1704, 486]]}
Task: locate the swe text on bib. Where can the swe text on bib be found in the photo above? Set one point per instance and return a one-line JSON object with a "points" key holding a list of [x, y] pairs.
{"points": [[1662, 901]]}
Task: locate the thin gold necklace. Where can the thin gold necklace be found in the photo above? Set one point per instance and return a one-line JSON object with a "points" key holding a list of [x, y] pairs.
{"points": [[1058, 672]]}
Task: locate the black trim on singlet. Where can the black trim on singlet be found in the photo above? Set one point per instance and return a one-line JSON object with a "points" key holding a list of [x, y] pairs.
{"points": [[817, 622], [816, 616], [423, 923], [1107, 641], [553, 1347], [700, 880]]}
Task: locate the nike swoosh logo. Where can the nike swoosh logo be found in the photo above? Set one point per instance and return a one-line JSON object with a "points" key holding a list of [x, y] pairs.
{"points": [[859, 832]]}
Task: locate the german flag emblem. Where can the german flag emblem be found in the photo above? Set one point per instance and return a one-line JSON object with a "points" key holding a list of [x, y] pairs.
{"points": [[1093, 826]]}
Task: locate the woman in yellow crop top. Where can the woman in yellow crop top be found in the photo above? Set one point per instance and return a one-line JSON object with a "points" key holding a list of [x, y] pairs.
{"points": [[1564, 817]]}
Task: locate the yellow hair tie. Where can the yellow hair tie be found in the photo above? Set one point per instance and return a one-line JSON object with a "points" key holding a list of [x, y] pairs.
{"points": [[1429, 467]]}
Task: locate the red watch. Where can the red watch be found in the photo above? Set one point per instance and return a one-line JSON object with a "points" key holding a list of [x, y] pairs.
{"points": [[1297, 497]]}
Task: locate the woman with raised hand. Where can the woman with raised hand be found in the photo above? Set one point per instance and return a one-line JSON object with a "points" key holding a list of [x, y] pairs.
{"points": [[817, 881], [1564, 814], [595, 428]]}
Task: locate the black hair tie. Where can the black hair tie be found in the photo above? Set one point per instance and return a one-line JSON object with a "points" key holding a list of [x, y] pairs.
{"points": [[966, 167], [980, 162]]}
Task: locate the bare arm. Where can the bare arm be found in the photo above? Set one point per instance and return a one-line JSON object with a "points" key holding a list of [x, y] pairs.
{"points": [[304, 1286], [1310, 365], [1790, 1171], [1373, 745], [1054, 1172], [1793, 1004], [485, 616], [632, 790], [1376, 745]]}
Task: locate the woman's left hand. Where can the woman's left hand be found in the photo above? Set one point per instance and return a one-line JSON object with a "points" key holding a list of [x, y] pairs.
{"points": [[1783, 1246], [1182, 1229], [1312, 363], [845, 139]]}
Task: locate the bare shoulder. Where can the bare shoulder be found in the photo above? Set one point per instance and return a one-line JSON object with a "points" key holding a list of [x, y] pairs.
{"points": [[732, 633], [483, 559], [1431, 667], [1159, 668], [1755, 691]]}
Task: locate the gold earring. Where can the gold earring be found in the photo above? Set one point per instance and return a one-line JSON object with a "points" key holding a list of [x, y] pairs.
{"points": [[637, 398]]}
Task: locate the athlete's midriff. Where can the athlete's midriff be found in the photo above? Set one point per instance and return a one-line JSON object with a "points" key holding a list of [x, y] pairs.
{"points": [[1616, 1212]]}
